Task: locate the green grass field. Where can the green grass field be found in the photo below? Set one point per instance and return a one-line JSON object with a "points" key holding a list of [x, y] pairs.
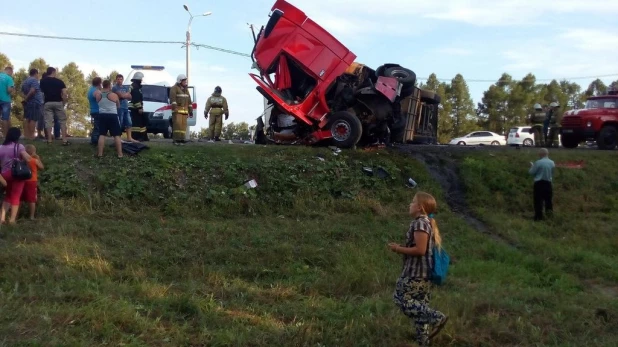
{"points": [[166, 249]]}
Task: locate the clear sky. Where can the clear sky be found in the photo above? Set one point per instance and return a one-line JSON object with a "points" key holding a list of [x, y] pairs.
{"points": [[480, 39]]}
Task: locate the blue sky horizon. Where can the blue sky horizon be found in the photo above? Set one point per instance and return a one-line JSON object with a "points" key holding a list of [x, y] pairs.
{"points": [[479, 39]]}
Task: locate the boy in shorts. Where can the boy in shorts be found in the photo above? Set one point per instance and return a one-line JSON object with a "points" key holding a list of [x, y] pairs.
{"points": [[29, 194]]}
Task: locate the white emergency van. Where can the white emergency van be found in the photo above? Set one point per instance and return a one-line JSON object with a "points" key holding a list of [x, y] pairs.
{"points": [[156, 86]]}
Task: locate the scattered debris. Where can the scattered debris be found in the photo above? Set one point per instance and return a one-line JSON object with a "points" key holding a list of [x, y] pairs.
{"points": [[379, 172], [320, 158], [577, 164], [252, 184], [411, 183]]}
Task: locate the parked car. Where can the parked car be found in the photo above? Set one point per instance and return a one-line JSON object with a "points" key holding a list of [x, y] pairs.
{"points": [[520, 136], [479, 138]]}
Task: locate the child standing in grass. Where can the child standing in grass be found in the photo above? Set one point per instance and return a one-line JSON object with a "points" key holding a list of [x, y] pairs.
{"points": [[412, 293], [29, 194]]}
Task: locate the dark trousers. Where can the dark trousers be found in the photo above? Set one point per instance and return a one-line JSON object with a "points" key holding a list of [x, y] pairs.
{"points": [[94, 136], [543, 193]]}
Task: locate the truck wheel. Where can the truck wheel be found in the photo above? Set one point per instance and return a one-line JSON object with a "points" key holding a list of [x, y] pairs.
{"points": [[569, 141], [430, 97], [167, 133], [405, 76], [380, 70], [607, 139], [345, 128]]}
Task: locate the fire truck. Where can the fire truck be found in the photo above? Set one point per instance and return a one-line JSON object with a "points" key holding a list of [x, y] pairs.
{"points": [[597, 121]]}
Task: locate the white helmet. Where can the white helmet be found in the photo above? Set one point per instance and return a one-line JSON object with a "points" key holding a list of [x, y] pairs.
{"points": [[180, 78], [538, 107], [554, 104], [138, 76]]}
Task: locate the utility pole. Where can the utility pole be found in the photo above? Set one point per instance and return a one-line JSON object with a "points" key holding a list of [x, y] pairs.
{"points": [[188, 57]]}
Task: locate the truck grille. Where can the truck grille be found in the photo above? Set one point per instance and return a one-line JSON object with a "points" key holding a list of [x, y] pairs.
{"points": [[572, 122]]}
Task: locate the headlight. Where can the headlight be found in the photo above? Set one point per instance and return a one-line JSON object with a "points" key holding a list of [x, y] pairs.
{"points": [[589, 124], [158, 115]]}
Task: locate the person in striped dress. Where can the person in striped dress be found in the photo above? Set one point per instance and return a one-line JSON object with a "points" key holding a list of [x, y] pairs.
{"points": [[413, 288]]}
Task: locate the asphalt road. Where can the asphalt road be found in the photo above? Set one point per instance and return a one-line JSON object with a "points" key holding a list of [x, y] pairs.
{"points": [[427, 148]]}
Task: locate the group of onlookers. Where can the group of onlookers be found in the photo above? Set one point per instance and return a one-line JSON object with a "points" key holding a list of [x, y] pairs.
{"points": [[44, 101]]}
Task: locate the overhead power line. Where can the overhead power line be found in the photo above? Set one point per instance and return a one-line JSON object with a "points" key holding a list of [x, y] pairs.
{"points": [[223, 50], [183, 43]]}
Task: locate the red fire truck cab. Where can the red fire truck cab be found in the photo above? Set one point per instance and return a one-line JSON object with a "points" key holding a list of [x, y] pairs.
{"points": [[597, 121]]}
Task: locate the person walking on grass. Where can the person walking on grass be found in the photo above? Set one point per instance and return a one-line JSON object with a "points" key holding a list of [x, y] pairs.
{"points": [[29, 194], [10, 151], [543, 172], [108, 118], [413, 288]]}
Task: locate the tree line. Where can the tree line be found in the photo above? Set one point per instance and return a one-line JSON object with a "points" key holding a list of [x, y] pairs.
{"points": [[506, 103]]}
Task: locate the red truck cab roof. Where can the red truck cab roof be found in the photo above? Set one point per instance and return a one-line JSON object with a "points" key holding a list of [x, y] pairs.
{"points": [[301, 38]]}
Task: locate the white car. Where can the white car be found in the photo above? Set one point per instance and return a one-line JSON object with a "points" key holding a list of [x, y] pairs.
{"points": [[477, 138], [520, 136]]}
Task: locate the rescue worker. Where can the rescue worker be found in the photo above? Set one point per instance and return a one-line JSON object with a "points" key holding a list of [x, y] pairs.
{"points": [[181, 109], [139, 118], [216, 105], [553, 108], [555, 119], [536, 124]]}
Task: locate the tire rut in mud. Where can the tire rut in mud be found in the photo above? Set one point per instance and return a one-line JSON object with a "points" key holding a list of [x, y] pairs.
{"points": [[445, 171]]}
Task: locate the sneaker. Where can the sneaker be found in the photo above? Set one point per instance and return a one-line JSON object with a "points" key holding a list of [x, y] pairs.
{"points": [[438, 327]]}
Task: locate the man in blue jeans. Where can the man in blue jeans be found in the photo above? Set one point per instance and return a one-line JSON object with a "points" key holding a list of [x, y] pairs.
{"points": [[94, 110], [7, 87], [123, 112]]}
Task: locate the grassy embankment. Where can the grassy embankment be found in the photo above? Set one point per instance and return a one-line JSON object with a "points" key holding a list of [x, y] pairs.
{"points": [[162, 250]]}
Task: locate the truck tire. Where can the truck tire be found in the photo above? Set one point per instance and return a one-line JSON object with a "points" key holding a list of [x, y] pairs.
{"points": [[607, 139], [405, 76], [569, 141], [345, 128], [380, 70], [430, 97]]}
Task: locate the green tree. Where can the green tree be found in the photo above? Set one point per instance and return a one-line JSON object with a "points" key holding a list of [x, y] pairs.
{"points": [[77, 105], [112, 76], [91, 76], [596, 87], [17, 110], [242, 131], [432, 83], [40, 64], [445, 121], [229, 131], [4, 61], [462, 107]]}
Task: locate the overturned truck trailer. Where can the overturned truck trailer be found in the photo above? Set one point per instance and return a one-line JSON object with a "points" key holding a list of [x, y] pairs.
{"points": [[315, 92]]}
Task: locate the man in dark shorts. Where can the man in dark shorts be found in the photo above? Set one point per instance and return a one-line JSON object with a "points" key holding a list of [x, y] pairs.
{"points": [[33, 103], [109, 103]]}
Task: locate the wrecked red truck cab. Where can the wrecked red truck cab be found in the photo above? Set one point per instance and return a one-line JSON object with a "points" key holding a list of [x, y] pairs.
{"points": [[316, 89]]}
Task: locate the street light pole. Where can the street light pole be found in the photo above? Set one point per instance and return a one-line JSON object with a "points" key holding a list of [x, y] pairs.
{"points": [[188, 56]]}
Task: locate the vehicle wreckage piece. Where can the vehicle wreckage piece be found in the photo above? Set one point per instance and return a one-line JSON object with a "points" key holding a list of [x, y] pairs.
{"points": [[315, 92]]}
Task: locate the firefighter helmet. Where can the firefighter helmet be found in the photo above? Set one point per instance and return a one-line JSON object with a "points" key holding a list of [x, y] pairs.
{"points": [[554, 104], [218, 89], [538, 107], [138, 76], [180, 78]]}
